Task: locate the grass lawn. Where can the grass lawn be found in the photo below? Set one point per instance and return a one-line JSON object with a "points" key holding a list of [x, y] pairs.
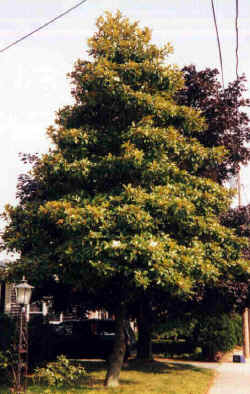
{"points": [[140, 378]]}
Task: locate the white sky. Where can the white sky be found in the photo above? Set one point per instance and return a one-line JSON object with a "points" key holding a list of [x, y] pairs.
{"points": [[33, 82]]}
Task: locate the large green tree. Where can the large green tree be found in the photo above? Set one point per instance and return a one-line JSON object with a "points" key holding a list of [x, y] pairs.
{"points": [[116, 206], [228, 126]]}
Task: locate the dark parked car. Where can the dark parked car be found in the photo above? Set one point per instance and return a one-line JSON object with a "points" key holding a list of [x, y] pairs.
{"points": [[89, 338]]}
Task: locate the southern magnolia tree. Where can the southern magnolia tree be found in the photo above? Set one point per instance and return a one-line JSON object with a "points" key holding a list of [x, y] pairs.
{"points": [[227, 125], [116, 205]]}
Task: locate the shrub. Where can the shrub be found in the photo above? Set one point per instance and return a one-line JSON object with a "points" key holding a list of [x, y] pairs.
{"points": [[172, 348], [217, 334], [5, 374], [62, 372], [213, 333], [176, 328], [8, 350]]}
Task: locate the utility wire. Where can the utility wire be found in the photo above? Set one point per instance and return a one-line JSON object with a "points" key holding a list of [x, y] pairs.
{"points": [[42, 26], [237, 38], [218, 42], [236, 104]]}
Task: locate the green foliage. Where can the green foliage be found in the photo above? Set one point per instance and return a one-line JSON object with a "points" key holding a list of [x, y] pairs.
{"points": [[217, 334], [214, 333], [138, 377], [176, 328], [8, 350], [5, 372], [118, 203], [62, 372], [173, 349], [120, 41]]}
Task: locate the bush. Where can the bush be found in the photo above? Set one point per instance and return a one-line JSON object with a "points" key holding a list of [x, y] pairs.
{"points": [[171, 348], [217, 334], [176, 328], [5, 373], [8, 355], [62, 372]]}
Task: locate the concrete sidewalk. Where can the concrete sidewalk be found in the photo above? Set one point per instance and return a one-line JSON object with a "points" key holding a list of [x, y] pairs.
{"points": [[232, 378]]}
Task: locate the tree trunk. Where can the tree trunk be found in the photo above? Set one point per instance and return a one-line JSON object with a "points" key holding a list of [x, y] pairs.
{"points": [[145, 332], [117, 355]]}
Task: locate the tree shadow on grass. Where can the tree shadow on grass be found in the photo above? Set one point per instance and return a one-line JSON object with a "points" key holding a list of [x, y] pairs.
{"points": [[140, 366], [99, 366], [133, 365], [159, 367], [153, 367]]}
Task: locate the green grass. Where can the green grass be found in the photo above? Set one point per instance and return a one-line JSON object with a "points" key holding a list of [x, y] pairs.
{"points": [[137, 378]]}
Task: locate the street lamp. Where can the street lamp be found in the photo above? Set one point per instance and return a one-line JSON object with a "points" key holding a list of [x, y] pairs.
{"points": [[23, 296], [23, 292]]}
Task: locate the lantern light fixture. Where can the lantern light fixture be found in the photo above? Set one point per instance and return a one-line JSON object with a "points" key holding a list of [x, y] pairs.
{"points": [[23, 292]]}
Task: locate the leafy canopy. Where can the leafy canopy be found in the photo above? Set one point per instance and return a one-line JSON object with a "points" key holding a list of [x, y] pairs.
{"points": [[118, 202]]}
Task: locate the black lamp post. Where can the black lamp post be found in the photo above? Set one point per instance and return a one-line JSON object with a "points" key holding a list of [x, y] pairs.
{"points": [[23, 296]]}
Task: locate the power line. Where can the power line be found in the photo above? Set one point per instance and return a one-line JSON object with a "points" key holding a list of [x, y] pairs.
{"points": [[42, 26], [237, 76], [218, 42], [237, 38]]}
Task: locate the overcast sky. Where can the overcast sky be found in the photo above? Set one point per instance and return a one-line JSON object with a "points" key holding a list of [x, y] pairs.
{"points": [[33, 82]]}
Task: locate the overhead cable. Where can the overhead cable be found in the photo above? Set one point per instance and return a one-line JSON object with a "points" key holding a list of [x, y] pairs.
{"points": [[237, 38], [42, 26], [218, 42], [236, 103]]}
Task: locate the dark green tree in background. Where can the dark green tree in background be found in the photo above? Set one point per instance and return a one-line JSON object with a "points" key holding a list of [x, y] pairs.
{"points": [[121, 204], [225, 115]]}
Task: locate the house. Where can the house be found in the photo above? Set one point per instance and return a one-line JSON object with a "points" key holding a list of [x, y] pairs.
{"points": [[8, 302], [9, 305]]}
